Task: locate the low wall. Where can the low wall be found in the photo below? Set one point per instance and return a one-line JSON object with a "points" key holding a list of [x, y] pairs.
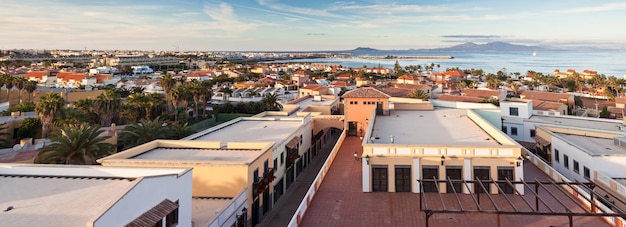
{"points": [[310, 194], [228, 216]]}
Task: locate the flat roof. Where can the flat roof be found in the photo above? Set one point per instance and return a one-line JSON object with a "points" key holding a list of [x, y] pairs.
{"points": [[205, 210], [594, 145], [441, 126], [62, 195], [269, 129], [311, 102], [580, 122], [197, 154]]}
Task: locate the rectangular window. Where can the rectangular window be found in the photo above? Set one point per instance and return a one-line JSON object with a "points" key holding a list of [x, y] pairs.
{"points": [[513, 131], [586, 172], [275, 163], [266, 166], [255, 175], [282, 158], [533, 133], [576, 169], [566, 161], [513, 111], [505, 130], [557, 156]]}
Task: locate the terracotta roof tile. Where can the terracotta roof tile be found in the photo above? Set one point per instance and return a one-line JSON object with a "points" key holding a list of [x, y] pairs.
{"points": [[456, 98], [545, 96], [485, 94], [154, 215], [546, 105], [365, 92]]}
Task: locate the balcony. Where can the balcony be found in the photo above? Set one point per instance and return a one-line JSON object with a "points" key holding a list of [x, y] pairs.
{"points": [[263, 183]]}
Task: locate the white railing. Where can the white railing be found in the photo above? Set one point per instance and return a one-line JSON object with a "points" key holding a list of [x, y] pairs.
{"points": [[228, 216], [304, 205], [579, 193]]}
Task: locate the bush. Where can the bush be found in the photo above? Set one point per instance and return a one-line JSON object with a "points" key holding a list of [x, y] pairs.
{"points": [[29, 128]]}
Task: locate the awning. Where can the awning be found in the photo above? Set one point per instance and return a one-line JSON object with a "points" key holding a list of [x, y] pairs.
{"points": [[293, 143], [154, 215], [542, 141]]}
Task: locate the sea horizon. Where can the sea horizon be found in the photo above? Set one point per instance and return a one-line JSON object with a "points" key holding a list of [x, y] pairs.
{"points": [[607, 62]]}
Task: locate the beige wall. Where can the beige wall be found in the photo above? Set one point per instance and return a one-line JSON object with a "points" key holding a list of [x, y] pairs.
{"points": [[361, 113]]}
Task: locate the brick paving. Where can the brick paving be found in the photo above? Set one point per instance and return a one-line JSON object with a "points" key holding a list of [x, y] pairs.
{"points": [[340, 202]]}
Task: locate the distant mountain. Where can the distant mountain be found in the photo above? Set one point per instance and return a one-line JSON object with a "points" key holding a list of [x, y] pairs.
{"points": [[492, 46], [469, 46]]}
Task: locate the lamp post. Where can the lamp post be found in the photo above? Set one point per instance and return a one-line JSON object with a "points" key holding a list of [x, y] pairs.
{"points": [[356, 156], [367, 159], [518, 161], [443, 159]]}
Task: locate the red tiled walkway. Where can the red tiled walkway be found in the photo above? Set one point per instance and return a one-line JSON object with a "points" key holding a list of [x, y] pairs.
{"points": [[340, 202]]}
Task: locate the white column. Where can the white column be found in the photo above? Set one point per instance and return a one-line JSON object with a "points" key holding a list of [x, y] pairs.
{"points": [[519, 176], [366, 176], [467, 174], [416, 175]]}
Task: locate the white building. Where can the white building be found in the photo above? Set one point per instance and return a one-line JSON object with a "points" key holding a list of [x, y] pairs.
{"points": [[52, 195], [142, 69]]}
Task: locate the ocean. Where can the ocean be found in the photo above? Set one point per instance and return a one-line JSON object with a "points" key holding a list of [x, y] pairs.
{"points": [[609, 63]]}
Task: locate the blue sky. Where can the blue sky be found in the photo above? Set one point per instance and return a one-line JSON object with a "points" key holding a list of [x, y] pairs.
{"points": [[306, 24]]}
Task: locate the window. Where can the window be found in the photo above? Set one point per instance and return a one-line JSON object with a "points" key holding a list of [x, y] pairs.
{"points": [[282, 158], [505, 130], [513, 111], [266, 166], [172, 218], [557, 156], [300, 139], [533, 133], [576, 169], [586, 172], [513, 131], [566, 161], [364, 102], [255, 175], [275, 162]]}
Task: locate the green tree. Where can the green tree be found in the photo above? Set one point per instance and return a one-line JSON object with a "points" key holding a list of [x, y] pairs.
{"points": [[107, 106], [179, 131], [418, 94], [605, 112], [30, 87], [28, 128], [76, 145], [19, 84], [271, 102], [47, 108], [578, 101], [167, 82], [141, 102], [143, 132], [8, 83]]}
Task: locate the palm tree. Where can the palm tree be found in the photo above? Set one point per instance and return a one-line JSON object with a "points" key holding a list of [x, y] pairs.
{"points": [[19, 84], [180, 96], [179, 131], [271, 102], [143, 132], [8, 83], [167, 82], [156, 102], [108, 106], [418, 94], [30, 87], [76, 145], [195, 89], [47, 108], [140, 101]]}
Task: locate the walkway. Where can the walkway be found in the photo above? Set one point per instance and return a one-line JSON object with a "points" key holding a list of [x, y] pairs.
{"points": [[340, 202], [283, 210]]}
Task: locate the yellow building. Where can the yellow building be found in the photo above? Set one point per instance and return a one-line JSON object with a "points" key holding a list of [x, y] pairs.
{"points": [[218, 171]]}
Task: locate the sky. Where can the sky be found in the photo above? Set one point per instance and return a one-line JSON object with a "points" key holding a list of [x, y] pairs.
{"points": [[306, 25]]}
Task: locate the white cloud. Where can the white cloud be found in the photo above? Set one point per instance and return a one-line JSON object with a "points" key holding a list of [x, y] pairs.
{"points": [[224, 19], [298, 10], [595, 9]]}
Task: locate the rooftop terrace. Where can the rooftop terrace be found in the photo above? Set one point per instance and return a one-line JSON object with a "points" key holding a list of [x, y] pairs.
{"points": [[225, 156], [594, 145], [252, 130]]}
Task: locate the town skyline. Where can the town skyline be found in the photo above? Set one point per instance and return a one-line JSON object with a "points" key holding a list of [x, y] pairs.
{"points": [[267, 25]]}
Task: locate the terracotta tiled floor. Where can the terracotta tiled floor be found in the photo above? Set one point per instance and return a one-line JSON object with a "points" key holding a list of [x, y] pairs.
{"points": [[340, 202]]}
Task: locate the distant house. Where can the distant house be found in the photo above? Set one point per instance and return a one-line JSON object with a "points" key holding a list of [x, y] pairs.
{"points": [[313, 90], [457, 98], [484, 94], [548, 96], [38, 76]]}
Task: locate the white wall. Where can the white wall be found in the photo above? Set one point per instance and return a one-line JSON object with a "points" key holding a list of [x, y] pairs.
{"points": [[525, 109], [611, 166], [574, 153], [147, 193]]}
